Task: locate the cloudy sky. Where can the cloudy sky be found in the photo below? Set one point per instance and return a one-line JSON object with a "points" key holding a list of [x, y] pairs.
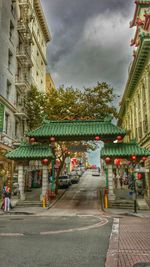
{"points": [[90, 41]]}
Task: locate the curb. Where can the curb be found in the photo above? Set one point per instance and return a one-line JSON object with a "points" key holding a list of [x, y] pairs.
{"points": [[59, 197], [32, 213], [112, 253]]}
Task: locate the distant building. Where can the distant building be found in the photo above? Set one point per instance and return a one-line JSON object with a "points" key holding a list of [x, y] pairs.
{"points": [[134, 114], [49, 82], [24, 36]]}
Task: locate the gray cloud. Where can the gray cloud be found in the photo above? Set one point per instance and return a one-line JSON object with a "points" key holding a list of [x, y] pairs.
{"points": [[90, 41]]}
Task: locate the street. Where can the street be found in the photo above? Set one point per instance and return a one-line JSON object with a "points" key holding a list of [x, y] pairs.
{"points": [[72, 233]]}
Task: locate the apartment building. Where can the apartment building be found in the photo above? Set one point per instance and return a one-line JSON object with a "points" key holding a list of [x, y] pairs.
{"points": [[49, 83], [134, 114], [24, 36]]}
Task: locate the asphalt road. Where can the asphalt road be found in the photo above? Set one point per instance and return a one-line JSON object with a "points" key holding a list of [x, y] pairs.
{"points": [[73, 235]]}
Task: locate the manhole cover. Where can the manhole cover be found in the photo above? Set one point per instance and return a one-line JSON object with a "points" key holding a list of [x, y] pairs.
{"points": [[142, 264]]}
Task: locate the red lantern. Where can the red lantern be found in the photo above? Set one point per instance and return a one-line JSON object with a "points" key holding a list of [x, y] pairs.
{"points": [[133, 157], [144, 158], [32, 140], [97, 138], [117, 162], [119, 137], [139, 175], [45, 161], [52, 139], [107, 159]]}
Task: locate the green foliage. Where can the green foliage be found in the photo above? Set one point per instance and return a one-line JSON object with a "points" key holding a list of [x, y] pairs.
{"points": [[34, 104], [69, 103]]}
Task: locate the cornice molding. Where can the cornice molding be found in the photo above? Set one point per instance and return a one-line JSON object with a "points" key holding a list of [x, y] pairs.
{"points": [[42, 20]]}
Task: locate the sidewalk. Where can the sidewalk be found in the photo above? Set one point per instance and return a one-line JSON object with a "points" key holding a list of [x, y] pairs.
{"points": [[32, 210], [129, 243]]}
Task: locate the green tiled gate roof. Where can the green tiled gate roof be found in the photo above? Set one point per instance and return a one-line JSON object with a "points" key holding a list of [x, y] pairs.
{"points": [[123, 150], [28, 151], [77, 130]]}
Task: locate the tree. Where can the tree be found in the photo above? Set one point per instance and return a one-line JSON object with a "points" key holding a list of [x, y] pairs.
{"points": [[63, 103], [34, 105], [91, 103], [97, 101]]}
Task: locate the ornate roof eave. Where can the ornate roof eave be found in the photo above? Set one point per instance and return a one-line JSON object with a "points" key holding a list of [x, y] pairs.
{"points": [[42, 20], [124, 150], [136, 13], [135, 72], [30, 152], [75, 130]]}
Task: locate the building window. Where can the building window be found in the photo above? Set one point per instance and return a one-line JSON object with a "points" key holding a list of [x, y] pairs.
{"points": [[8, 90], [11, 31], [37, 74], [10, 56], [16, 128], [140, 130], [145, 124], [37, 53], [6, 122], [13, 7]]}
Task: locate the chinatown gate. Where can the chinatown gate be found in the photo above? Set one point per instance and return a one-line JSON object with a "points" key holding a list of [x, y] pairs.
{"points": [[40, 148]]}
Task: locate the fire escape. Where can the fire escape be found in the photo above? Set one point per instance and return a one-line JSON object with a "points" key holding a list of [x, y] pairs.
{"points": [[23, 55]]}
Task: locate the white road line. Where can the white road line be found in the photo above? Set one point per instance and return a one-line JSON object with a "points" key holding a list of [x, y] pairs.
{"points": [[101, 223], [115, 227], [11, 234]]}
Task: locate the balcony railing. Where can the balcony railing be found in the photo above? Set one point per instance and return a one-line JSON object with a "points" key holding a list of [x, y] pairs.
{"points": [[22, 82], [24, 56], [24, 2], [23, 27]]}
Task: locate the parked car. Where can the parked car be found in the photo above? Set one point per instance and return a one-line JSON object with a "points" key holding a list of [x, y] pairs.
{"points": [[78, 171], [74, 177], [64, 181], [96, 172]]}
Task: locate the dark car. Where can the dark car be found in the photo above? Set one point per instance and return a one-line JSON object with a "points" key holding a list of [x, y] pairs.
{"points": [[64, 181], [74, 177]]}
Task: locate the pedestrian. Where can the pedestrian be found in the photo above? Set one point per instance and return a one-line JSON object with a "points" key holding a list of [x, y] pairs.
{"points": [[3, 198], [115, 179], [7, 195], [121, 180]]}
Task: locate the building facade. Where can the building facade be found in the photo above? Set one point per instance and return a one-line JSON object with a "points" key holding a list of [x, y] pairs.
{"points": [[49, 83], [24, 36], [134, 114]]}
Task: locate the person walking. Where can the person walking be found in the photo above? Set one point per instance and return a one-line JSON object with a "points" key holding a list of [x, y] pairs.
{"points": [[7, 195], [121, 181], [115, 179]]}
